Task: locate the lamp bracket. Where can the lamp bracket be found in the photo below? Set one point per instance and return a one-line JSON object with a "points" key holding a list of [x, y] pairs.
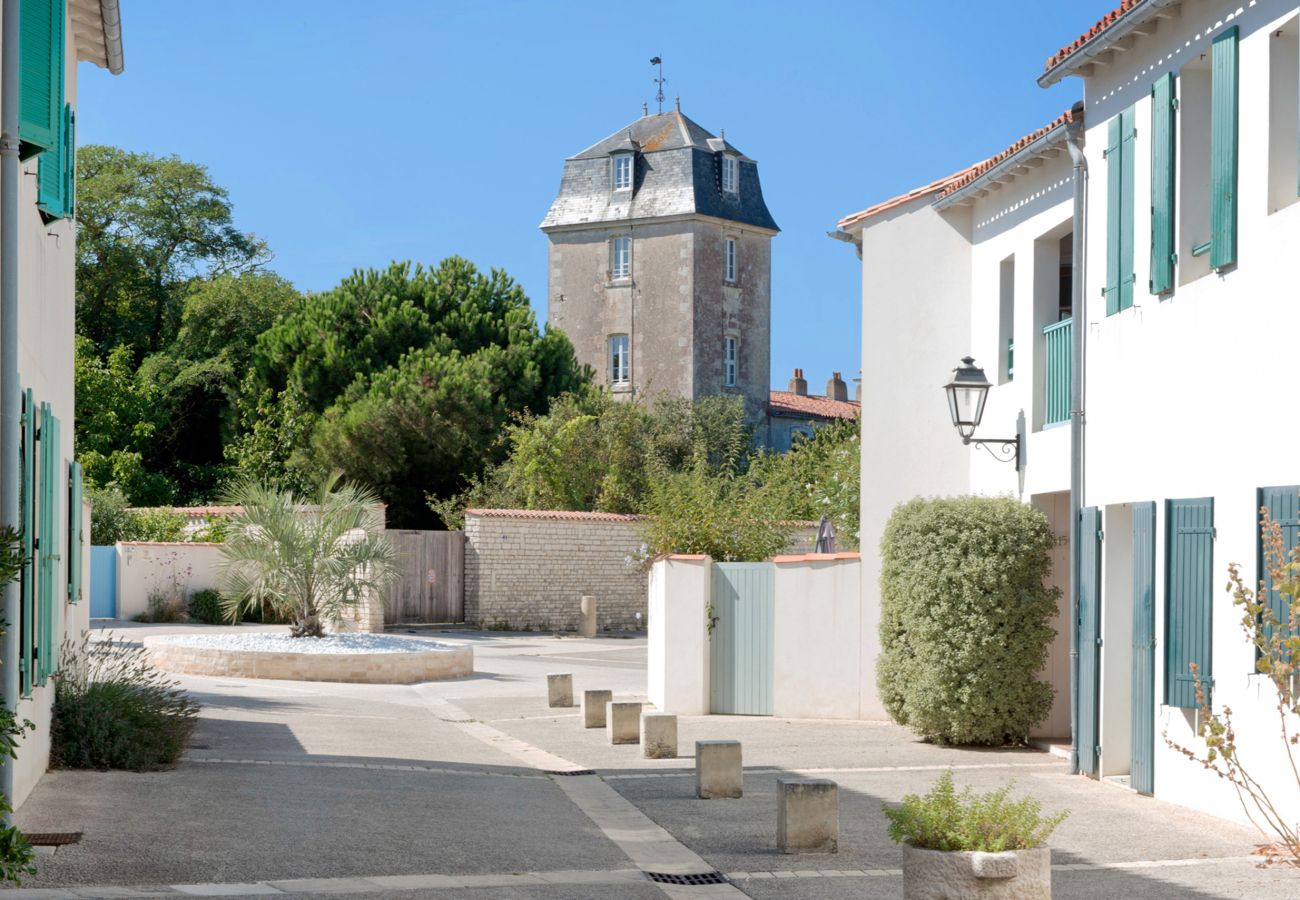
{"points": [[1008, 448]]}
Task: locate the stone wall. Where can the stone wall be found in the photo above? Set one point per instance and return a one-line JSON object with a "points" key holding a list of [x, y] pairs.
{"points": [[529, 569]]}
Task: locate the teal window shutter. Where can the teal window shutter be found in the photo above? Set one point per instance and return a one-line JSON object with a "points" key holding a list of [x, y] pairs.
{"points": [[1283, 505], [1163, 150], [1189, 560], [1119, 213], [76, 533], [52, 175], [69, 160], [40, 51], [1223, 150], [27, 502]]}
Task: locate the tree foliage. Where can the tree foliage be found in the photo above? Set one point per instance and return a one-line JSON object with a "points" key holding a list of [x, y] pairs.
{"points": [[965, 615], [820, 476]]}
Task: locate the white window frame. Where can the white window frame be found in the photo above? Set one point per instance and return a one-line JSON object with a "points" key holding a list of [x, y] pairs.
{"points": [[729, 260], [620, 258], [730, 360], [621, 175], [731, 174], [620, 363]]}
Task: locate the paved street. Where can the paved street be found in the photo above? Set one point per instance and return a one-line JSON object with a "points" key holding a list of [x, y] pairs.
{"points": [[448, 790]]}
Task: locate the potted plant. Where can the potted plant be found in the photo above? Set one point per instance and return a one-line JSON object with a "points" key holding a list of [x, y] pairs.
{"points": [[969, 845]]}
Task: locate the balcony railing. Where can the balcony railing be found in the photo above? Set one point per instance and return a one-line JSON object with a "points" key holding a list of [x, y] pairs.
{"points": [[1056, 391]]}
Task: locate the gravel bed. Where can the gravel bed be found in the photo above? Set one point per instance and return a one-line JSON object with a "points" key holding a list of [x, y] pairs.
{"points": [[272, 642]]}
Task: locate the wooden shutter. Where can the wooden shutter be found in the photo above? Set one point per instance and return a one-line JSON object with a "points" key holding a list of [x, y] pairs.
{"points": [[28, 518], [1163, 151], [76, 533], [69, 159], [40, 51], [1223, 150], [1089, 638], [47, 550], [52, 176], [1143, 723], [1119, 213], [1189, 560], [1283, 505]]}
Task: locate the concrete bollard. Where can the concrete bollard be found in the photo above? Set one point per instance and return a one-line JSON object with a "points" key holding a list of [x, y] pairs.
{"points": [[807, 815], [622, 722], [593, 708], [658, 736], [718, 770], [587, 627], [559, 690]]}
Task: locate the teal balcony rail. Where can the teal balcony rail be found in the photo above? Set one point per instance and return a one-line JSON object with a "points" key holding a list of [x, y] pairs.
{"points": [[1056, 391], [1011, 359]]}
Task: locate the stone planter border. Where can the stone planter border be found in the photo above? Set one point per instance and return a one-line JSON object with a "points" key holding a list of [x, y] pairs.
{"points": [[1013, 875]]}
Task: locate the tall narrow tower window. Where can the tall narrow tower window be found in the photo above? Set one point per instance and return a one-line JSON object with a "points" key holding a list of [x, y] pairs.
{"points": [[621, 261], [730, 183], [729, 260], [622, 173], [729, 361], [620, 368]]}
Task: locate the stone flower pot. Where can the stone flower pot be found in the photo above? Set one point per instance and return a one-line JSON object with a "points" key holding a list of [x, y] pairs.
{"points": [[1013, 875]]}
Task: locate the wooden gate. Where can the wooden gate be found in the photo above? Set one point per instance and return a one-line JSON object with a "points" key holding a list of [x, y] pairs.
{"points": [[743, 643], [431, 587]]}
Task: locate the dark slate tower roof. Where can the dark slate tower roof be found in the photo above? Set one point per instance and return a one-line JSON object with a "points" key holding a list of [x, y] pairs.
{"points": [[678, 171]]}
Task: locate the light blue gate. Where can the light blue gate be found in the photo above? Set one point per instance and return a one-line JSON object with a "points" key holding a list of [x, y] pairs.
{"points": [[743, 641], [103, 582]]}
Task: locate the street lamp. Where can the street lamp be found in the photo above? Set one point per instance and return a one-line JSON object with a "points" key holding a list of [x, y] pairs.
{"points": [[967, 392]]}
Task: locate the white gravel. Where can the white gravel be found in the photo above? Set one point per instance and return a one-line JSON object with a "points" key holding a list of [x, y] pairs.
{"points": [[271, 642]]}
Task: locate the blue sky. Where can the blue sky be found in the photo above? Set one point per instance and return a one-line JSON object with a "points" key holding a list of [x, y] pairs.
{"points": [[351, 134]]}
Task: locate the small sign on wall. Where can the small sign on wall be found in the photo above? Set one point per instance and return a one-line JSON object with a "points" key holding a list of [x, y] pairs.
{"points": [[431, 576]]}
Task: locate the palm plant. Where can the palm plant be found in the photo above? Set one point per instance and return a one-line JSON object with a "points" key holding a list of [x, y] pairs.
{"points": [[310, 559]]}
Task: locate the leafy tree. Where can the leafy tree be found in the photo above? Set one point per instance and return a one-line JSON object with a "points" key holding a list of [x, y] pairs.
{"points": [[819, 477], [312, 558], [274, 430], [147, 226]]}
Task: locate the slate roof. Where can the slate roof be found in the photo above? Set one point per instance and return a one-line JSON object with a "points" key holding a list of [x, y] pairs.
{"points": [[791, 405], [677, 172]]}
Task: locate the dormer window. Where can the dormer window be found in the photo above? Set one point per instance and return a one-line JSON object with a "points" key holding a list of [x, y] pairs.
{"points": [[730, 173], [623, 172]]}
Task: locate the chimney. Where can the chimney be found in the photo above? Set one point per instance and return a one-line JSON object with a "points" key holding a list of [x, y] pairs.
{"points": [[836, 389], [799, 384]]}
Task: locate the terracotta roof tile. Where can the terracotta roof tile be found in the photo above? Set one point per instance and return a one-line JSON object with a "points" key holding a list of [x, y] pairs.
{"points": [[1092, 33], [789, 403], [956, 183], [560, 514], [892, 202]]}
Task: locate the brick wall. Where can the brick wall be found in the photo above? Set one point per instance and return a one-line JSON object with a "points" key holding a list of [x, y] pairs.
{"points": [[530, 569]]}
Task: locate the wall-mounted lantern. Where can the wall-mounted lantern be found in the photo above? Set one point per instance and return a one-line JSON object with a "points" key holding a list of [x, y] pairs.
{"points": [[967, 392]]}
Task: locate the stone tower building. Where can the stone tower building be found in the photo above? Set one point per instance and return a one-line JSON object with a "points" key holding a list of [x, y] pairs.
{"points": [[660, 263]]}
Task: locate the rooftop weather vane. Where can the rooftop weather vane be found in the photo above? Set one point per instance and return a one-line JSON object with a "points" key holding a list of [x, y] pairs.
{"points": [[659, 97]]}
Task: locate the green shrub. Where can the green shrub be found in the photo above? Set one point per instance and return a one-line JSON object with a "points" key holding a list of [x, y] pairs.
{"points": [[164, 608], [946, 820], [205, 607], [112, 520], [16, 854], [114, 710], [964, 618]]}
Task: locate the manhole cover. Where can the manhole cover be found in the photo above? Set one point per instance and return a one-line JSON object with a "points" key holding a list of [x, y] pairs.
{"points": [[53, 838], [696, 878], [572, 772]]}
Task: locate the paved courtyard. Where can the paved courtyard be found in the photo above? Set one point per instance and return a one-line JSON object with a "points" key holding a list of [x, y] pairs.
{"points": [[451, 789]]}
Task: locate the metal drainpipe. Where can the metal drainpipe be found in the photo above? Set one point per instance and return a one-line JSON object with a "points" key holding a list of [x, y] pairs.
{"points": [[10, 396], [1074, 143]]}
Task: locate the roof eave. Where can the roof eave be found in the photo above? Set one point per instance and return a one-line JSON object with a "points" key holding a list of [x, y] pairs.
{"points": [[1121, 28], [1053, 140]]}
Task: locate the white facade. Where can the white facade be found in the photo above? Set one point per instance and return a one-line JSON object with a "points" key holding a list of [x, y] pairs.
{"points": [[1186, 394], [46, 327]]}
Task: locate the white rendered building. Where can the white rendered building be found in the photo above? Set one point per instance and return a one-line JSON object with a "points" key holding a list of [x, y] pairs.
{"points": [[1191, 310]]}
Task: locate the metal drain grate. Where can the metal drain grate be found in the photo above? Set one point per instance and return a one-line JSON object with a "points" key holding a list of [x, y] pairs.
{"points": [[570, 772], [53, 838], [696, 878]]}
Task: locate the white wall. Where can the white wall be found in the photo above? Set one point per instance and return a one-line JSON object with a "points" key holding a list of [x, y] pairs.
{"points": [[145, 567], [677, 668], [821, 639], [1152, 434]]}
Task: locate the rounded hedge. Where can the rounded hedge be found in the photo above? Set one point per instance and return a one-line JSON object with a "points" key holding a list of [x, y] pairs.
{"points": [[965, 614]]}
